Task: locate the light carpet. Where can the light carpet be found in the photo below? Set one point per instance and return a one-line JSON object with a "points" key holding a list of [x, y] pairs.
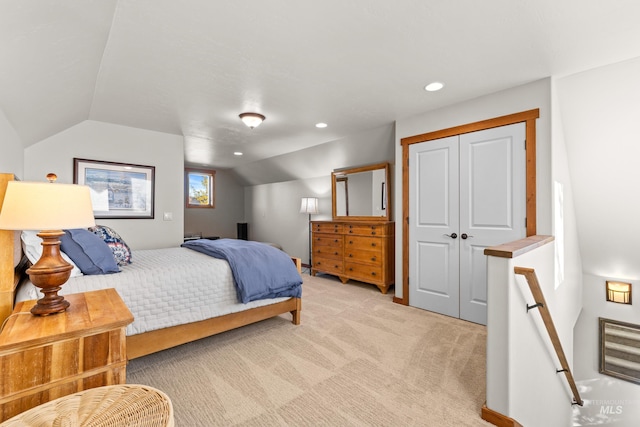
{"points": [[357, 359]]}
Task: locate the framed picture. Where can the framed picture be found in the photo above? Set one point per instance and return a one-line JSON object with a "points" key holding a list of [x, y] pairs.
{"points": [[200, 188], [118, 190], [620, 350]]}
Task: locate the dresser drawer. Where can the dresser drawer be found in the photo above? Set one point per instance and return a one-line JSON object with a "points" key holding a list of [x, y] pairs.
{"points": [[327, 240], [364, 229], [328, 265], [366, 273], [332, 252], [358, 243], [329, 227], [364, 257]]}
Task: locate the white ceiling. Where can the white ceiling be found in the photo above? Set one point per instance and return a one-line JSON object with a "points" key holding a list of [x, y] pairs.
{"points": [[190, 67]]}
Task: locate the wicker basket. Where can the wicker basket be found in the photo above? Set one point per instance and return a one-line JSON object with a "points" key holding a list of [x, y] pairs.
{"points": [[113, 406]]}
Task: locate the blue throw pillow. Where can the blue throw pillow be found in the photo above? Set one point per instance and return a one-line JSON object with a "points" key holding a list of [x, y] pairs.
{"points": [[121, 251], [88, 251]]}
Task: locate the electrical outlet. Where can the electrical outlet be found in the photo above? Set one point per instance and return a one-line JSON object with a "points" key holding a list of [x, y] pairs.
{"points": [[168, 216]]}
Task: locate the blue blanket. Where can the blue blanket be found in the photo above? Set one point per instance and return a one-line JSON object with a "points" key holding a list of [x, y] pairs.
{"points": [[260, 271]]}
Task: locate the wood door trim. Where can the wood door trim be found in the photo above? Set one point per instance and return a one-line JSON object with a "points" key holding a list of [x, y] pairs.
{"points": [[528, 117]]}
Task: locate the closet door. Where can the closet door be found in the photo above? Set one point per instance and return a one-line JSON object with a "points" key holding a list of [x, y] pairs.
{"points": [[433, 226], [467, 193], [492, 207]]}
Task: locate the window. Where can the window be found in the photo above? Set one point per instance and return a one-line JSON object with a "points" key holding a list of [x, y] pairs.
{"points": [[200, 188]]}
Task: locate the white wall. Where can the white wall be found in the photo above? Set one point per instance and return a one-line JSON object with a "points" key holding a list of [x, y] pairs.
{"points": [[11, 151], [521, 98], [273, 213], [569, 287], [108, 142], [229, 209], [600, 110]]}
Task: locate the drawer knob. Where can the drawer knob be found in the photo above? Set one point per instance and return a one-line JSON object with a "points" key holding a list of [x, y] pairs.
{"points": [[373, 273], [373, 259], [350, 269], [373, 244], [335, 241], [335, 253], [373, 233], [351, 242], [350, 231], [350, 255]]}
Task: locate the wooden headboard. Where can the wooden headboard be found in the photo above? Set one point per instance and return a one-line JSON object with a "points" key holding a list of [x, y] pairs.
{"points": [[8, 279]]}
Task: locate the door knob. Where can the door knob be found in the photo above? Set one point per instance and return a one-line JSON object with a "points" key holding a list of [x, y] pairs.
{"points": [[464, 236], [452, 235]]}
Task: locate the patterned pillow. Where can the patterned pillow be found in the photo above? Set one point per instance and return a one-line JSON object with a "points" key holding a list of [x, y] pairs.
{"points": [[120, 249]]}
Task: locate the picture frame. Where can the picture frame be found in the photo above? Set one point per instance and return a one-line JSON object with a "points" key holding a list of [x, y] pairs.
{"points": [[200, 188], [620, 349], [118, 190]]}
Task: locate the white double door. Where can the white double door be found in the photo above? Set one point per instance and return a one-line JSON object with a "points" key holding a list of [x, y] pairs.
{"points": [[467, 192]]}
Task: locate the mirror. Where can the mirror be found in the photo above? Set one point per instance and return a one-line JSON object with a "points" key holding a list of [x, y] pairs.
{"points": [[361, 193]]}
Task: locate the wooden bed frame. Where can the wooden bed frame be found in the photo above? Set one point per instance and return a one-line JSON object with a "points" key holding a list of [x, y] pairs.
{"points": [[148, 342]]}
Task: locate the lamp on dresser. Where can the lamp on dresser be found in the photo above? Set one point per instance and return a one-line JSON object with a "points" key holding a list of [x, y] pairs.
{"points": [[47, 208], [309, 205]]}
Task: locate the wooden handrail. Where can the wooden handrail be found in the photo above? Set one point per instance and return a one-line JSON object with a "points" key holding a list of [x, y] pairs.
{"points": [[541, 304]]}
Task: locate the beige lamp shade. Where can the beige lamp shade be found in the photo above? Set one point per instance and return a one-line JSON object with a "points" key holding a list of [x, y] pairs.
{"points": [[309, 205], [46, 206]]}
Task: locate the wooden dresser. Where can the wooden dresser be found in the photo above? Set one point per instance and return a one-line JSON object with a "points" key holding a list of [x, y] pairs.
{"points": [[43, 358], [359, 250]]}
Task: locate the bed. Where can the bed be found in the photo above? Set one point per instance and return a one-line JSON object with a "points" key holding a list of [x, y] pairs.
{"points": [[174, 302]]}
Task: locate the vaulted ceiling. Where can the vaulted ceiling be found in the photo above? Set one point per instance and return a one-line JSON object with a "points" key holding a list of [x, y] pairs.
{"points": [[190, 67]]}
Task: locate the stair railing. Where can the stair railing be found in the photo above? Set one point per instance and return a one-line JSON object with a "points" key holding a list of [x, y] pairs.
{"points": [[541, 305]]}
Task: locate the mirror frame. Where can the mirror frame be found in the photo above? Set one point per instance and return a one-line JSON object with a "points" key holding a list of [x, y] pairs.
{"points": [[346, 171]]}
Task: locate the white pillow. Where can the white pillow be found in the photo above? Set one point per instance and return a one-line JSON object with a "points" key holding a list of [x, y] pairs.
{"points": [[32, 247]]}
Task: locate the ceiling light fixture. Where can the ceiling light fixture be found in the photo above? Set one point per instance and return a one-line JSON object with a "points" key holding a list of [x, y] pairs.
{"points": [[237, 153], [252, 120], [433, 87], [321, 125]]}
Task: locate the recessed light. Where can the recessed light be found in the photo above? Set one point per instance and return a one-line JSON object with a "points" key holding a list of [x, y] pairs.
{"points": [[435, 86], [237, 153], [321, 125]]}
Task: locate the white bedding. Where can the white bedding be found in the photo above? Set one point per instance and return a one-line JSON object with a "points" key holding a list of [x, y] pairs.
{"points": [[165, 287]]}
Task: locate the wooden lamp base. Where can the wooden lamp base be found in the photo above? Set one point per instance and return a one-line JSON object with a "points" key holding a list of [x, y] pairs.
{"points": [[49, 274]]}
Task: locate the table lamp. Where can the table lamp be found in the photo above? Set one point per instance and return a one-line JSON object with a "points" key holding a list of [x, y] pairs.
{"points": [[47, 208]]}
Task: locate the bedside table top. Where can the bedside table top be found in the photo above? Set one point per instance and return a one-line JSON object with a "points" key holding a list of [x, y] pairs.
{"points": [[89, 313]]}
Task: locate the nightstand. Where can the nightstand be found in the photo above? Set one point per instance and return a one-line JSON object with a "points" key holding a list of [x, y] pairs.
{"points": [[43, 358]]}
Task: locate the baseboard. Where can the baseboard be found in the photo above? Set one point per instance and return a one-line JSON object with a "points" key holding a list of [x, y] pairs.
{"points": [[497, 419]]}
